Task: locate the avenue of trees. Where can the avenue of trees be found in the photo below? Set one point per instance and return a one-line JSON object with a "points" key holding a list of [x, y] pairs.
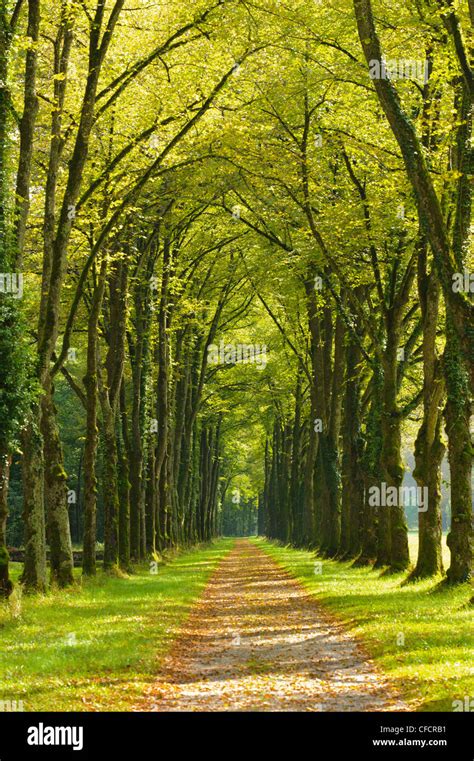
{"points": [[180, 179]]}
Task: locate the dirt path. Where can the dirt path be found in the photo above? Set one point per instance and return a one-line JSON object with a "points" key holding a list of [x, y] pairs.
{"points": [[257, 641]]}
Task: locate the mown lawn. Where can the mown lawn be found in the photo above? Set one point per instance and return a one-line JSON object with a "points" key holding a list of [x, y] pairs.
{"points": [[96, 646], [421, 635]]}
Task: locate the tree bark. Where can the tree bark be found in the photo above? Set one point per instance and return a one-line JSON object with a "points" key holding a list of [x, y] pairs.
{"points": [[393, 540], [458, 412], [295, 496], [331, 444], [352, 475], [6, 586], [140, 539], [109, 392], [27, 128], [58, 530], [34, 575], [429, 449], [123, 447], [371, 468], [460, 391], [92, 434], [110, 484]]}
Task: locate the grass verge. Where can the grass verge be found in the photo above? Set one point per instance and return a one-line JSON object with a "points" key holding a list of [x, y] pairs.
{"points": [[421, 635], [96, 646]]}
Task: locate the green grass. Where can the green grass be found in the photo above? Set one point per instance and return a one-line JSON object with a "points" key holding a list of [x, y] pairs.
{"points": [[98, 645], [435, 665]]}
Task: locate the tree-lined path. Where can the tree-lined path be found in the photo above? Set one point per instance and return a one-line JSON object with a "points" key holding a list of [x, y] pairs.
{"points": [[236, 300], [257, 640]]}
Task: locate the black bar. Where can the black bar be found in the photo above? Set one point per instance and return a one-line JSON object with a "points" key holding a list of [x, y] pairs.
{"points": [[330, 736]]}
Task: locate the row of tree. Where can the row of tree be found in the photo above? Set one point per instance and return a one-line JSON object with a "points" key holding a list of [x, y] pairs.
{"points": [[366, 337], [175, 177], [97, 197]]}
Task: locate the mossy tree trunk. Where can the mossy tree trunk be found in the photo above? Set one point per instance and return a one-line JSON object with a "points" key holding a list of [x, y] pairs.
{"points": [[459, 383], [309, 518], [5, 42], [162, 358], [371, 469], [58, 531], [14, 208], [92, 433], [123, 448], [295, 491], [110, 484], [109, 393], [331, 449], [352, 474], [393, 549], [6, 585], [141, 541], [34, 575], [429, 449], [458, 411]]}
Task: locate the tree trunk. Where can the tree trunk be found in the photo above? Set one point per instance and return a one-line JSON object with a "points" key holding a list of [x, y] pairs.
{"points": [[352, 475], [140, 540], [27, 130], [109, 393], [330, 445], [58, 530], [429, 449], [110, 485], [123, 447], [371, 468], [6, 585], [162, 360], [34, 569], [296, 510], [92, 438], [460, 460], [11, 254], [393, 548], [150, 502], [311, 526], [460, 387]]}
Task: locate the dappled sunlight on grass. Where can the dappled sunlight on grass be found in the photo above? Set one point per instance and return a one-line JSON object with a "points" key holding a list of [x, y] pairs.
{"points": [[76, 649], [421, 634]]}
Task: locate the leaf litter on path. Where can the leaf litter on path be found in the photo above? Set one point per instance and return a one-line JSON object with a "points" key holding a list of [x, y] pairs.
{"points": [[258, 641]]}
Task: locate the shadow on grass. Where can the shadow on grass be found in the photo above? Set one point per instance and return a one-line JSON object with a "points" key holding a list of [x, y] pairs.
{"points": [[59, 649], [421, 633]]}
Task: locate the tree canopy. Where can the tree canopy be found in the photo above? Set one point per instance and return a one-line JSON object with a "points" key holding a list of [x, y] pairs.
{"points": [[242, 232]]}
